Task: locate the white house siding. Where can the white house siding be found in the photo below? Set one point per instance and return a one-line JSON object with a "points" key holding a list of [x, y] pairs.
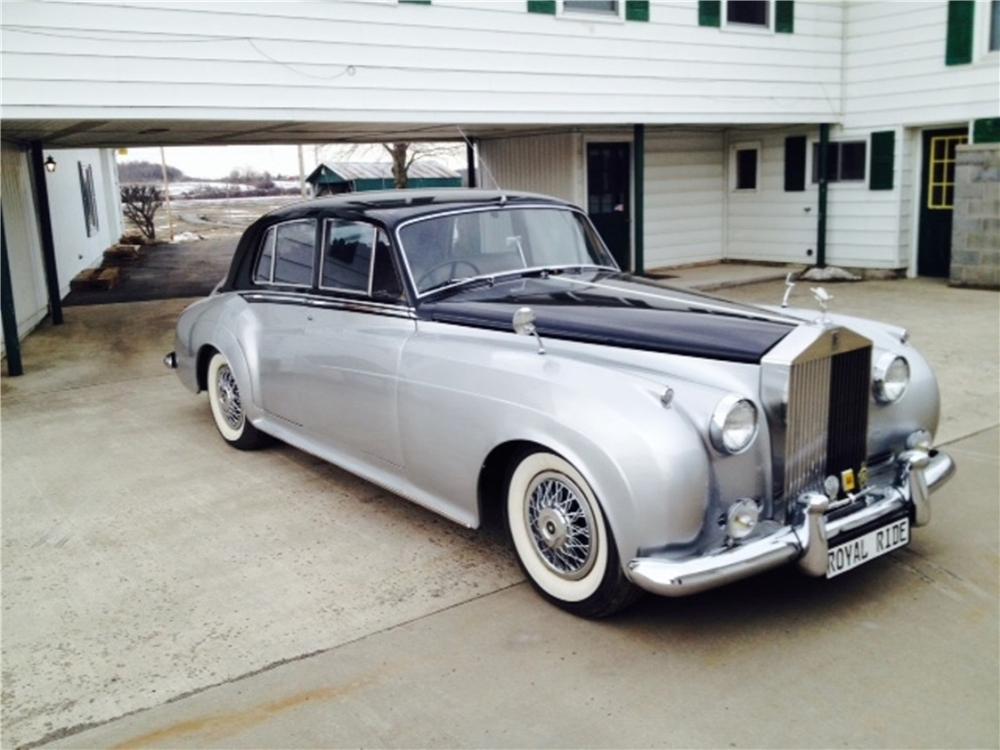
{"points": [[895, 78], [21, 231], [74, 250], [769, 224], [684, 205], [548, 164], [475, 61], [895, 72]]}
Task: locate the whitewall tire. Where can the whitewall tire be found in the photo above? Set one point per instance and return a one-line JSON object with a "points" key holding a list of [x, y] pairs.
{"points": [[228, 408], [561, 538]]}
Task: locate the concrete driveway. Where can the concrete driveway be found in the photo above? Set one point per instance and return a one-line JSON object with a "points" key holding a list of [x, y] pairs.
{"points": [[160, 589]]}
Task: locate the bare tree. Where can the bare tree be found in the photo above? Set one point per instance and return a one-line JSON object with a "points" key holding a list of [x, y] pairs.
{"points": [[140, 204], [402, 159]]}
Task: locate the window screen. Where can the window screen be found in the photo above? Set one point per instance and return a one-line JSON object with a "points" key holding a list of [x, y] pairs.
{"points": [[845, 161], [294, 244], [746, 169], [747, 11], [608, 7], [347, 256]]}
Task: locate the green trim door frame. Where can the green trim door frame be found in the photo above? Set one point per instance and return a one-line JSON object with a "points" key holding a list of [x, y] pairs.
{"points": [[936, 199]]}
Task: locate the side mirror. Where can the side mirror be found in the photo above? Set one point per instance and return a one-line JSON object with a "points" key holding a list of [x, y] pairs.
{"points": [[523, 323]]}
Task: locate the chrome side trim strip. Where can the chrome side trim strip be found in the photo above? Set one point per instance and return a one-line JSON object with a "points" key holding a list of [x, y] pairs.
{"points": [[330, 303]]}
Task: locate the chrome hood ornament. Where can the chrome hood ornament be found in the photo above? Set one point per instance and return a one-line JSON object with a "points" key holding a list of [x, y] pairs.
{"points": [[823, 298]]}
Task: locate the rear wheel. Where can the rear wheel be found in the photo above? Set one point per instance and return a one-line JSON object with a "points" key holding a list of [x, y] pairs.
{"points": [[563, 542], [227, 407]]}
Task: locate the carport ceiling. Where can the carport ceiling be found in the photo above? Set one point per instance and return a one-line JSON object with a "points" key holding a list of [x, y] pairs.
{"points": [[119, 133]]}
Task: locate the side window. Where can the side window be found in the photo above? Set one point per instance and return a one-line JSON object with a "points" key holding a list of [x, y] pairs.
{"points": [[347, 256], [385, 281], [262, 274], [294, 243]]}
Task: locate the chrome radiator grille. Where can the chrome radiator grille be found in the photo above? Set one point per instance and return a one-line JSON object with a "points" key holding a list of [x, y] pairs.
{"points": [[815, 386], [808, 426]]}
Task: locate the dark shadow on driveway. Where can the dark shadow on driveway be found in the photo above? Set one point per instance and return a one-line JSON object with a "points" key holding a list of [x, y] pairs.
{"points": [[164, 271]]}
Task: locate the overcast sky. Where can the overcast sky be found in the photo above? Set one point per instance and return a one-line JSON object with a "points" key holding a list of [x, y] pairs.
{"points": [[213, 162]]}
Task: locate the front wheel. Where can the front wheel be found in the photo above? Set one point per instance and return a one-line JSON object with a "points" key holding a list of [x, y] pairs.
{"points": [[227, 407], [563, 543]]}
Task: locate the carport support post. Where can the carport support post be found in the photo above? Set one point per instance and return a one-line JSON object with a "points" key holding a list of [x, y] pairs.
{"points": [[822, 178], [470, 163], [639, 203], [12, 345], [45, 229]]}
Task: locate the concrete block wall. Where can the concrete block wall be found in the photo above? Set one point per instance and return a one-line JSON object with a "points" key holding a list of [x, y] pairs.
{"points": [[975, 238]]}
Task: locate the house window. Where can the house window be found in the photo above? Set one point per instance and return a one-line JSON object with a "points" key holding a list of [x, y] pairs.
{"points": [[748, 12], [745, 159], [599, 7], [89, 197], [347, 256], [845, 161]]}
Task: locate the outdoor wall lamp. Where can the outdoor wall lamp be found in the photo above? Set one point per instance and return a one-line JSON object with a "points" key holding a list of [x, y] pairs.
{"points": [[50, 165]]}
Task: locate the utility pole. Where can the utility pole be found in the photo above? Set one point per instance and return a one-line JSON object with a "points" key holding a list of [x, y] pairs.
{"points": [[166, 191], [302, 172]]}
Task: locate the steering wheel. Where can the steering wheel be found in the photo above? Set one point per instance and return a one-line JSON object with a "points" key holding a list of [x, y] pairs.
{"points": [[454, 264]]}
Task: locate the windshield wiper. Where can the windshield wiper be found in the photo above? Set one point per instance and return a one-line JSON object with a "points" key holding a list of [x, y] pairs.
{"points": [[459, 283]]}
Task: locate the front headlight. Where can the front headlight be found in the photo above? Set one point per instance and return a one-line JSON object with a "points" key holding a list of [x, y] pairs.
{"points": [[891, 376], [734, 424]]}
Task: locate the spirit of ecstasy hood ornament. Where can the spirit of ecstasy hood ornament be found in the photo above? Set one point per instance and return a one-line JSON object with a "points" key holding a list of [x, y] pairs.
{"points": [[823, 297]]}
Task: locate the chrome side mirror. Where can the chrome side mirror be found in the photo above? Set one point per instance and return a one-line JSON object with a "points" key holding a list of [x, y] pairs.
{"points": [[523, 323]]}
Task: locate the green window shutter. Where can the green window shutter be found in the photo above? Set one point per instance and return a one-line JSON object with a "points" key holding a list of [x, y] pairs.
{"points": [[881, 165], [795, 163], [709, 12], [958, 49], [986, 130], [784, 16], [542, 6], [636, 10]]}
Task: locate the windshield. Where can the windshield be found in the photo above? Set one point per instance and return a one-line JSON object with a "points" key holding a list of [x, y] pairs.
{"points": [[443, 250]]}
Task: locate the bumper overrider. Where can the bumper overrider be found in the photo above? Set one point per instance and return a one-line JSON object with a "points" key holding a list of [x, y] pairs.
{"points": [[817, 526]]}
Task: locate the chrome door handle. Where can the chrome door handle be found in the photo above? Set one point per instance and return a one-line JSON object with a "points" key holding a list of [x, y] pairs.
{"points": [[309, 317]]}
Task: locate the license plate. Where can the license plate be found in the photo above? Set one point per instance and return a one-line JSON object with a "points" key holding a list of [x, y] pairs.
{"points": [[849, 555]]}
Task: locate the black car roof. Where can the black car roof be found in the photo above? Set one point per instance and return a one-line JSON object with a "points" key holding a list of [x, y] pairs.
{"points": [[391, 207], [386, 207]]}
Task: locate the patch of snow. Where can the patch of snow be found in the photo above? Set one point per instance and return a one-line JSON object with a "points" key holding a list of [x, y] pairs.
{"points": [[830, 273]]}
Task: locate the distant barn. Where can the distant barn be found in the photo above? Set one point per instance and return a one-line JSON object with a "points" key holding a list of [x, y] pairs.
{"points": [[334, 177]]}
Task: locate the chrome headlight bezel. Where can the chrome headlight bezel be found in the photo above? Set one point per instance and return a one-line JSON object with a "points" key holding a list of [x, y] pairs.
{"points": [[888, 391], [719, 427]]}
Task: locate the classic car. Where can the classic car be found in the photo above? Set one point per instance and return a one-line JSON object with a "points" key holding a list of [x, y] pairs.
{"points": [[481, 354]]}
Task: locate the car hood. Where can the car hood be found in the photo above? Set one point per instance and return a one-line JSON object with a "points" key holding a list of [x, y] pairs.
{"points": [[616, 309]]}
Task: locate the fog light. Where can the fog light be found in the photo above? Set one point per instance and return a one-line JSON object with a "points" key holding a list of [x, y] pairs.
{"points": [[741, 519]]}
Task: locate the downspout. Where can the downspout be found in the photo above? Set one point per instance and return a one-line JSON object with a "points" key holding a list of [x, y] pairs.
{"points": [[824, 147], [45, 229], [12, 344], [470, 163], [639, 202]]}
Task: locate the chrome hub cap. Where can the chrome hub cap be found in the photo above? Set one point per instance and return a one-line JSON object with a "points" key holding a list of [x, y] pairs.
{"points": [[561, 525], [229, 398]]}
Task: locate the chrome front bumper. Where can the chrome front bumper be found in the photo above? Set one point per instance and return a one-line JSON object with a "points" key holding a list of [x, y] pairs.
{"points": [[918, 473]]}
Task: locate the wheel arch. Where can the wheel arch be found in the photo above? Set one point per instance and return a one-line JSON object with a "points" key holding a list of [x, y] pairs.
{"points": [[204, 356]]}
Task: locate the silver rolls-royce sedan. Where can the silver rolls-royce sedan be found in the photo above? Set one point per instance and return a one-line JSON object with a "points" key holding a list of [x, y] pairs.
{"points": [[480, 353]]}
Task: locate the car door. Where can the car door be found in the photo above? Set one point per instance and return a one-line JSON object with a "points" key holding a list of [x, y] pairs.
{"points": [[359, 325], [284, 275]]}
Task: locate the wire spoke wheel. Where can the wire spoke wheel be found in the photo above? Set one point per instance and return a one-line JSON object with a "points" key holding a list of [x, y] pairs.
{"points": [[561, 525], [228, 394]]}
